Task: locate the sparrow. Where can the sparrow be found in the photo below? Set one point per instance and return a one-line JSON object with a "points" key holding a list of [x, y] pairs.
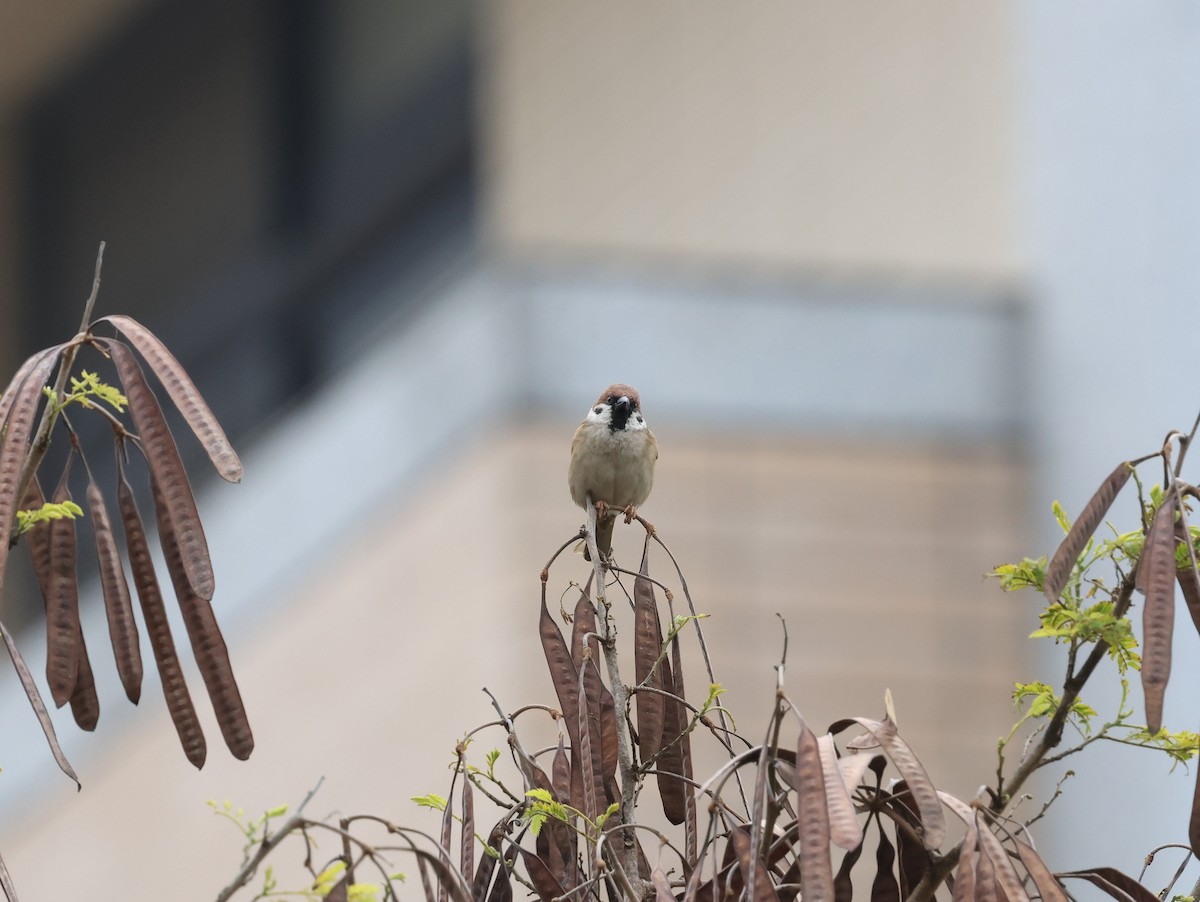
{"points": [[612, 461]]}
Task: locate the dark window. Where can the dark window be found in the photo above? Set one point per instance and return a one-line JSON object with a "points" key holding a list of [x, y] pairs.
{"points": [[259, 171], [256, 169]]}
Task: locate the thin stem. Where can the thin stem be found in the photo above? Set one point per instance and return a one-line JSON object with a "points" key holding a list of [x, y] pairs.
{"points": [[545, 575], [90, 304], [1071, 689], [1185, 442], [1058, 791], [41, 440], [628, 865], [269, 843], [939, 869], [687, 596], [650, 579]]}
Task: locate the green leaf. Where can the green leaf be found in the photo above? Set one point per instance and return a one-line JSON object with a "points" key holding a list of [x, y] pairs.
{"points": [[536, 820], [612, 809], [1041, 698], [1180, 747], [432, 800], [1029, 573], [328, 878], [1061, 516], [1156, 497], [88, 387], [51, 510]]}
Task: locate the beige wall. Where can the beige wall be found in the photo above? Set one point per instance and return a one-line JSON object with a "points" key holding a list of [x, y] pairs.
{"points": [[856, 136]]}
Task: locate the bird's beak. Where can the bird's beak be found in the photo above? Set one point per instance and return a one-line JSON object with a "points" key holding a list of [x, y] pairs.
{"points": [[622, 405]]}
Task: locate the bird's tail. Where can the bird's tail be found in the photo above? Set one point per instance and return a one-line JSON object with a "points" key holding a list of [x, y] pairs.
{"points": [[604, 533]]}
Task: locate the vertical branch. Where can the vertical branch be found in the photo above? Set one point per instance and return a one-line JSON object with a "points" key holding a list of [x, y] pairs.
{"points": [[90, 304], [41, 439], [620, 693]]}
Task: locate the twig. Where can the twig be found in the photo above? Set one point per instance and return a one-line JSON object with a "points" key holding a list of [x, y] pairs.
{"points": [[698, 717], [1195, 893], [1166, 892], [608, 643], [41, 440], [939, 869], [347, 854], [545, 574], [1071, 689], [650, 579], [1185, 442], [90, 304], [525, 764], [712, 679], [664, 842], [1058, 790], [267, 846], [1153, 853]]}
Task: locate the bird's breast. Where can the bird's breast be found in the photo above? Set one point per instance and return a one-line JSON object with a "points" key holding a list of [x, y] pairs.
{"points": [[614, 467]]}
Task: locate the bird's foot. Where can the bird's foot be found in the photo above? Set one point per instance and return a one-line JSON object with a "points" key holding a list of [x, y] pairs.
{"points": [[630, 512], [601, 510]]}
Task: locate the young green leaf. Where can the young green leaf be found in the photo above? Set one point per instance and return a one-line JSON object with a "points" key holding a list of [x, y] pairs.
{"points": [[434, 801]]}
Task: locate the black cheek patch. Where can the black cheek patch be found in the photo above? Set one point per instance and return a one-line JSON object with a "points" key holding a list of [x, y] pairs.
{"points": [[597, 409]]}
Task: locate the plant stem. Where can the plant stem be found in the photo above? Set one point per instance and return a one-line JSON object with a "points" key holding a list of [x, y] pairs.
{"points": [[937, 872], [620, 694], [41, 440], [268, 845], [1071, 689], [941, 867]]}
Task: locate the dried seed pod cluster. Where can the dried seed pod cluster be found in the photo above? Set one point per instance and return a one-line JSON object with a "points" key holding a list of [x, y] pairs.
{"points": [[774, 842], [53, 546], [779, 821]]}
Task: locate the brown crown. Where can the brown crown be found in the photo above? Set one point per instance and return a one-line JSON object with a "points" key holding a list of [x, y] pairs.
{"points": [[618, 389]]}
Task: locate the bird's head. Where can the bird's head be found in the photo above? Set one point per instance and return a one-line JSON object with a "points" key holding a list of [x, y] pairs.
{"points": [[619, 407]]}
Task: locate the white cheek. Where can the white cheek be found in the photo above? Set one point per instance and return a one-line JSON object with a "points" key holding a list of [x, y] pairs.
{"points": [[604, 417], [635, 423]]}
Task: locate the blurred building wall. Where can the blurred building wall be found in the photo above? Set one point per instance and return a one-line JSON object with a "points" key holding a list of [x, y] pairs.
{"points": [[1112, 188], [861, 139], [804, 234], [35, 45]]}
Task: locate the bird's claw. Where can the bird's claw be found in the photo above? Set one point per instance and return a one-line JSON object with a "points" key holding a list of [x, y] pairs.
{"points": [[630, 512], [601, 510]]}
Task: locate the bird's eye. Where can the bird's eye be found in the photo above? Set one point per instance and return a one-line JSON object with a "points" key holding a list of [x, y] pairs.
{"points": [[597, 409], [612, 399]]}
